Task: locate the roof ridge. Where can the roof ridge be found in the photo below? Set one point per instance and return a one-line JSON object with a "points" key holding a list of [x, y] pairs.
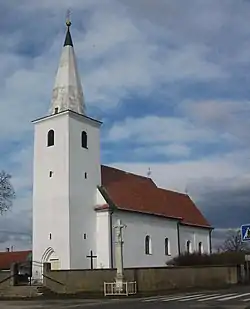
{"points": [[173, 191], [126, 172], [18, 251]]}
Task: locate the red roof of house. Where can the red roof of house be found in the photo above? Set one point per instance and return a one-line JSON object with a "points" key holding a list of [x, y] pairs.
{"points": [[7, 258], [140, 194]]}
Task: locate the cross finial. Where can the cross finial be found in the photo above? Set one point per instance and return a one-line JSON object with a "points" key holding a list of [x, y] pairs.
{"points": [[149, 172], [68, 22]]}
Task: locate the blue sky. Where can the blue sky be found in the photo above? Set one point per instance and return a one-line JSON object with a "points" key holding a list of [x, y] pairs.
{"points": [[169, 79]]}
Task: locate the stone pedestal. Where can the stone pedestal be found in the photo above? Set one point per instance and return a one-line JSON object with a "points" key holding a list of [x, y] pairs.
{"points": [[119, 279]]}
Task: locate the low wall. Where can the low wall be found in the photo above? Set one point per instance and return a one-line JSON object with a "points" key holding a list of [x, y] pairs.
{"points": [[5, 279], [149, 280]]}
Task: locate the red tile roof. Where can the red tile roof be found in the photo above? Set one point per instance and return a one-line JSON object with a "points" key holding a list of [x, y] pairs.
{"points": [[8, 258], [140, 194]]}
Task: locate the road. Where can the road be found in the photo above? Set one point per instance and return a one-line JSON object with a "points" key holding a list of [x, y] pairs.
{"points": [[238, 298]]}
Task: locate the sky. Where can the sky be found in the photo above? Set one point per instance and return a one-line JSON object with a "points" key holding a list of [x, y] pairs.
{"points": [[168, 78]]}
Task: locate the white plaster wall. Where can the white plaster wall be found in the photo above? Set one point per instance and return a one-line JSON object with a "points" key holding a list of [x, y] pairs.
{"points": [[51, 195], [138, 226], [82, 192], [64, 204], [103, 242], [100, 201], [195, 235]]}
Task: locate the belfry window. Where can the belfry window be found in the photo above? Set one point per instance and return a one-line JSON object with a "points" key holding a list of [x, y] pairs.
{"points": [[51, 138], [84, 140]]}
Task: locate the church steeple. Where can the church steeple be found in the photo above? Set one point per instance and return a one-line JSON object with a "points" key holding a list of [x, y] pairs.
{"points": [[67, 91], [68, 40]]}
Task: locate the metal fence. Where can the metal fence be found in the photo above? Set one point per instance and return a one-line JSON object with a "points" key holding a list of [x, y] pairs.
{"points": [[128, 288]]}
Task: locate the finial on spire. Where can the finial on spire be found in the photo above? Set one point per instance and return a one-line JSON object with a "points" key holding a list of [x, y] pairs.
{"points": [[68, 40]]}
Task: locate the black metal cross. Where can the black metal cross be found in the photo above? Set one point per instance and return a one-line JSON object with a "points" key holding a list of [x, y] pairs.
{"points": [[92, 257]]}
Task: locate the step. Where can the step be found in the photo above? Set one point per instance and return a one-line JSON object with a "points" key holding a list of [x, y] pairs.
{"points": [[20, 291]]}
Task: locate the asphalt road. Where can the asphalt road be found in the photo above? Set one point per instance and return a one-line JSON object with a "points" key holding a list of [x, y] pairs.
{"points": [[230, 298]]}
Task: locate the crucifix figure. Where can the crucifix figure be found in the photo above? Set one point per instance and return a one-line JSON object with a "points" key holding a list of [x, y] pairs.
{"points": [[92, 257], [119, 254]]}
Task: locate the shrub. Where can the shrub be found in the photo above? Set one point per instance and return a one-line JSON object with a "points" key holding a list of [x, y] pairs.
{"points": [[196, 259]]}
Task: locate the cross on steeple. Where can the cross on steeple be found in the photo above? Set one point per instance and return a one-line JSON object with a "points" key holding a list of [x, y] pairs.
{"points": [[68, 22]]}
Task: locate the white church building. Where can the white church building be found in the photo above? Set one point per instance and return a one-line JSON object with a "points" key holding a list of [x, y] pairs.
{"points": [[77, 201]]}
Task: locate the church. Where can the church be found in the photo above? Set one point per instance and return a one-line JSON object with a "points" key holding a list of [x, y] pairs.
{"points": [[77, 201]]}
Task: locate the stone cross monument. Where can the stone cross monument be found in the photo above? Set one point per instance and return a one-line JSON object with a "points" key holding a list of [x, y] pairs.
{"points": [[119, 255]]}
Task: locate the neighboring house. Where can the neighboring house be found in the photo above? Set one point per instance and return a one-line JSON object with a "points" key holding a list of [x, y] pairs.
{"points": [[7, 258], [77, 201]]}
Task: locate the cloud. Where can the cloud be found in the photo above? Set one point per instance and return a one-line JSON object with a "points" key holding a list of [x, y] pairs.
{"points": [[172, 86], [170, 150], [158, 129], [15, 226], [230, 118]]}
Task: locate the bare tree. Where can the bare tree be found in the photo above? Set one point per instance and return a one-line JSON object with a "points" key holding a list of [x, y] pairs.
{"points": [[233, 242], [7, 192]]}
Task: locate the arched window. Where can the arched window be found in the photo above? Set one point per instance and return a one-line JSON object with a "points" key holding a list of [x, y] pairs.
{"points": [[188, 246], [51, 138], [148, 245], [84, 140], [167, 247], [200, 248]]}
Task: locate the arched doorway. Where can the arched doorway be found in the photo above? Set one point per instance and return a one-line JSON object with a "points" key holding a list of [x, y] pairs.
{"points": [[51, 257]]}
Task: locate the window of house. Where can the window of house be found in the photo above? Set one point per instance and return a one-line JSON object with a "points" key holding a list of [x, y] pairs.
{"points": [[56, 110], [188, 246], [51, 138], [50, 174], [50, 236], [148, 245], [200, 248], [85, 175], [167, 247], [84, 140]]}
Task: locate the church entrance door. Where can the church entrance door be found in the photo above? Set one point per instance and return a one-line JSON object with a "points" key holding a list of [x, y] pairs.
{"points": [[51, 257], [54, 261], [55, 264]]}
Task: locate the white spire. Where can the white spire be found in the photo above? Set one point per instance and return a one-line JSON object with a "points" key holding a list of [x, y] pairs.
{"points": [[67, 91]]}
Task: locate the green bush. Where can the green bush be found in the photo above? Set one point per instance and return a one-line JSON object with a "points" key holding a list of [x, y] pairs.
{"points": [[196, 259]]}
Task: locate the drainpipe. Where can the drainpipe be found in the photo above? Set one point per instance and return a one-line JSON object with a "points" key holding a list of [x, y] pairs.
{"points": [[210, 241], [178, 238], [111, 238]]}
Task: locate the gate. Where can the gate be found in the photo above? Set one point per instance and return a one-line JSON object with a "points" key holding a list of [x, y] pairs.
{"points": [[22, 273]]}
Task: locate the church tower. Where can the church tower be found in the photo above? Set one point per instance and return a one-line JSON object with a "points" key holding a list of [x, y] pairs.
{"points": [[66, 173]]}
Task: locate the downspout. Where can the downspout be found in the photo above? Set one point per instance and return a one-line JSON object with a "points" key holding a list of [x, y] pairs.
{"points": [[178, 238], [210, 241], [111, 238]]}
